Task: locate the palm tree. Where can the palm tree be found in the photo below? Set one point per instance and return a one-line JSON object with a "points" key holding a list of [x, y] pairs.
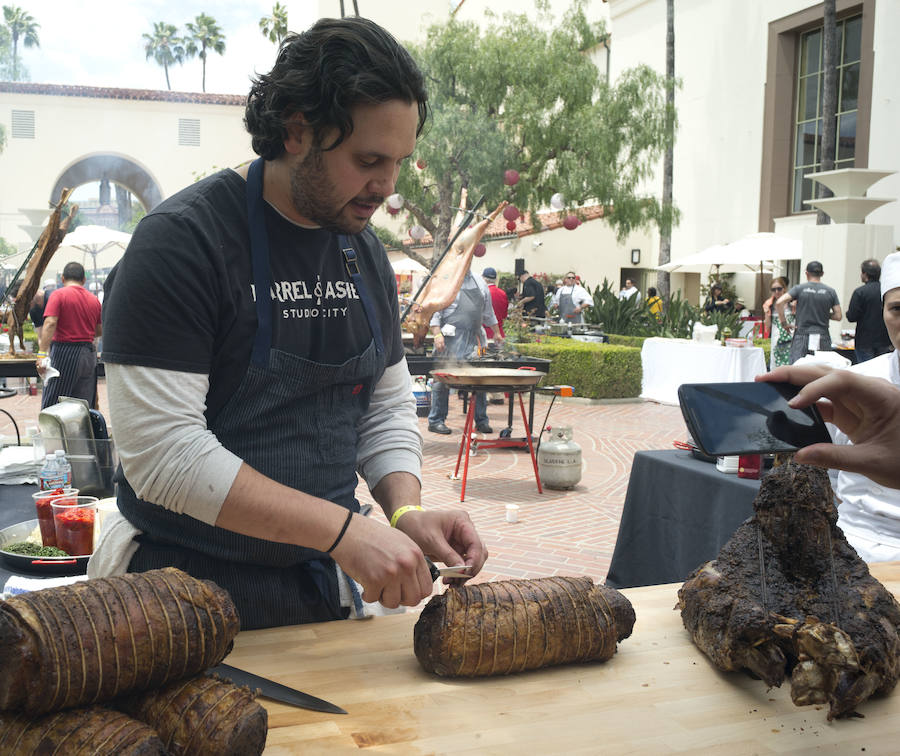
{"points": [[20, 25], [164, 46], [275, 27], [665, 235], [205, 35], [830, 54]]}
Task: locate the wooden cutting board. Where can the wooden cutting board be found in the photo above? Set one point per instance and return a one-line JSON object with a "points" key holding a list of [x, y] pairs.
{"points": [[658, 695]]}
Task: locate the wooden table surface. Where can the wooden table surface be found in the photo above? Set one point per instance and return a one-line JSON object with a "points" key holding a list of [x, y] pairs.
{"points": [[657, 695]]}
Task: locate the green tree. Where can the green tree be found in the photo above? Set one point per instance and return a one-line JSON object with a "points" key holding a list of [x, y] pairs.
{"points": [[520, 96], [165, 47], [20, 25], [205, 35], [275, 27]]}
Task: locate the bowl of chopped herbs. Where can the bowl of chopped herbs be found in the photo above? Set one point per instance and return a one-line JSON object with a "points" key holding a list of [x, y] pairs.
{"points": [[23, 552]]}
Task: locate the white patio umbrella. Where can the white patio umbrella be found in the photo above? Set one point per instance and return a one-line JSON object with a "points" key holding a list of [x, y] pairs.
{"points": [[701, 262], [408, 265], [755, 249], [101, 242], [749, 253]]}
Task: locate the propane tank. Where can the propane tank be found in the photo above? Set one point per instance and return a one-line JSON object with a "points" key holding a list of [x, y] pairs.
{"points": [[422, 394], [559, 459]]}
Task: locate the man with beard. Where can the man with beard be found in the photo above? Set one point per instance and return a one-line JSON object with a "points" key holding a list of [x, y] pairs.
{"points": [[255, 361]]}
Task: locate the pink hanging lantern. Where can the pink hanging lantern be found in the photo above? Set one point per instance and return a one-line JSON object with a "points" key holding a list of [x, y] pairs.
{"points": [[571, 222], [479, 250], [511, 177], [510, 212]]}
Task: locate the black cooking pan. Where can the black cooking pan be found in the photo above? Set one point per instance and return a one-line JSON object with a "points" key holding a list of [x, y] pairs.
{"points": [[67, 565]]}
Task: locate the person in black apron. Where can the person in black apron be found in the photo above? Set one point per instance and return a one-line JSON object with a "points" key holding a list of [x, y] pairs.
{"points": [[458, 334], [294, 419]]}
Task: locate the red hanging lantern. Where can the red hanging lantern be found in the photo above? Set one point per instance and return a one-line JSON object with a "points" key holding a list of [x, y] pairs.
{"points": [[510, 212], [511, 177], [479, 250], [511, 225], [421, 164], [571, 222]]}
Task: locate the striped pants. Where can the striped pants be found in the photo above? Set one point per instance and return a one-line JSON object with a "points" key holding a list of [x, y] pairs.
{"points": [[77, 366]]}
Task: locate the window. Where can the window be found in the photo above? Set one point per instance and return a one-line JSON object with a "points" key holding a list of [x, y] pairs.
{"points": [[792, 104], [23, 124], [808, 119], [189, 132]]}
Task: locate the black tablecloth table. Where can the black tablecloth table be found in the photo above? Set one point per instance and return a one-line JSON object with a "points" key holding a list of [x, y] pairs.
{"points": [[16, 505], [678, 513]]}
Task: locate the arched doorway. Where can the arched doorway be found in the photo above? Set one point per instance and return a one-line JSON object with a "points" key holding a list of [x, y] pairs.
{"points": [[114, 168]]}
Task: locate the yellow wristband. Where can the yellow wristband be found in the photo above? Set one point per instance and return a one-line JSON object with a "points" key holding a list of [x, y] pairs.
{"points": [[402, 511]]}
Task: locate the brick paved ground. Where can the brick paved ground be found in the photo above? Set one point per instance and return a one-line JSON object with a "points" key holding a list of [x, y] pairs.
{"points": [[559, 532]]}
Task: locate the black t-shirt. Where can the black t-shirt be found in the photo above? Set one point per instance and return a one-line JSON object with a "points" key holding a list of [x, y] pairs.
{"points": [[182, 297], [536, 307], [866, 311]]}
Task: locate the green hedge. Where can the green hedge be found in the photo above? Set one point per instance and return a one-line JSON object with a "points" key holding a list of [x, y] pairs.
{"points": [[632, 341], [596, 371]]}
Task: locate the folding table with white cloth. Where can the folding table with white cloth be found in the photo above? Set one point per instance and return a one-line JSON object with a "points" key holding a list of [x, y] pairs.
{"points": [[667, 363]]}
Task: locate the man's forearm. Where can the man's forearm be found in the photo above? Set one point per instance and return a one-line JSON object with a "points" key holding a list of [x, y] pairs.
{"points": [[48, 331], [260, 507], [397, 489]]}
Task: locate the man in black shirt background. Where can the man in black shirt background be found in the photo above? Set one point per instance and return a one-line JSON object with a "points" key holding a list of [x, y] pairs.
{"points": [[865, 310], [532, 296]]}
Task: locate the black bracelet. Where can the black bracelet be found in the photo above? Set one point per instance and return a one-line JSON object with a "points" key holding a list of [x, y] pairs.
{"points": [[341, 534]]}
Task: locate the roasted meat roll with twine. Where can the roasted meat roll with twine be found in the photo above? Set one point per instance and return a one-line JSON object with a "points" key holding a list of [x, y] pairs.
{"points": [[93, 641], [94, 731], [514, 625], [202, 716]]}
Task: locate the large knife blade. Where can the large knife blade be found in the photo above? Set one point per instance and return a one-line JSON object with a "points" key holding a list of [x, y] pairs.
{"points": [[276, 691]]}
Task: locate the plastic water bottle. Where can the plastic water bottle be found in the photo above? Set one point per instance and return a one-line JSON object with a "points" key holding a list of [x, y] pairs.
{"points": [[65, 468], [49, 477]]}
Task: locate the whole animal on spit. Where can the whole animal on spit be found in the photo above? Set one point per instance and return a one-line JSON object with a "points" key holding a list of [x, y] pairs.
{"points": [[446, 279]]}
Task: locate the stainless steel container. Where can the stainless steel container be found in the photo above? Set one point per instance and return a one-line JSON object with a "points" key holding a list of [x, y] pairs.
{"points": [[67, 426]]}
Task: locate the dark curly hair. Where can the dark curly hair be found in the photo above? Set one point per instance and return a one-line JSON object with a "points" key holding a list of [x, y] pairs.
{"points": [[323, 73]]}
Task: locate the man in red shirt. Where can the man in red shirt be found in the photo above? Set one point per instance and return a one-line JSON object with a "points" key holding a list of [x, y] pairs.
{"points": [[499, 301], [71, 322]]}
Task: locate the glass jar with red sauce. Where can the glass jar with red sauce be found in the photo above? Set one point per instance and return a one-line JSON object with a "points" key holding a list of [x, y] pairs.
{"points": [[73, 518], [42, 500]]}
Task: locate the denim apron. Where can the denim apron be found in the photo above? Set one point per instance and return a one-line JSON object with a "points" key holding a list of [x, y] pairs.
{"points": [[293, 420], [567, 308]]}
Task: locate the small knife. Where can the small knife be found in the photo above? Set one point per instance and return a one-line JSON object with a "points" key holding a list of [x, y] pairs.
{"points": [[457, 571], [276, 691]]}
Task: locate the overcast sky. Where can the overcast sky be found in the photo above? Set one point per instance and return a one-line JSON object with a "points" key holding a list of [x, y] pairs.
{"points": [[100, 44]]}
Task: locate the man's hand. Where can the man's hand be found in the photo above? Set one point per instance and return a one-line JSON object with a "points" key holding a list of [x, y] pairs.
{"points": [[439, 342], [41, 365], [388, 564], [866, 409], [447, 536]]}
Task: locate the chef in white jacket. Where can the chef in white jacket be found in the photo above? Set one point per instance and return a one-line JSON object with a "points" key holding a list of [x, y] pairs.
{"points": [[869, 513]]}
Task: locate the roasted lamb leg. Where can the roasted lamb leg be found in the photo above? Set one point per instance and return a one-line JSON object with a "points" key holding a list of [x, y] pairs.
{"points": [[446, 279], [788, 596]]}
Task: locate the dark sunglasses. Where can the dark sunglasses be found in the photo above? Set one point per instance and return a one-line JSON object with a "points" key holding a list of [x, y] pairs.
{"points": [[777, 288]]}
